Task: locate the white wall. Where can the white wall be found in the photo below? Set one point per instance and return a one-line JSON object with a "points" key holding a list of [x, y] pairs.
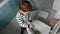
{"points": [[56, 6]]}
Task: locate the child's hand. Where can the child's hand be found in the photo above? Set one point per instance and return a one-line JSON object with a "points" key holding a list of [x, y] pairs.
{"points": [[31, 25]]}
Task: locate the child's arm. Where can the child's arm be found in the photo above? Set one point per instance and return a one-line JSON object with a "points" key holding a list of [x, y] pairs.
{"points": [[30, 20], [31, 25], [20, 22]]}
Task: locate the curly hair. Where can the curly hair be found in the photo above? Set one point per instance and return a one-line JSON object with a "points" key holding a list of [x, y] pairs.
{"points": [[25, 5]]}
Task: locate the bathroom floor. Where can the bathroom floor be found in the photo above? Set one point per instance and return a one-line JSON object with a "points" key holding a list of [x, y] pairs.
{"points": [[11, 28]]}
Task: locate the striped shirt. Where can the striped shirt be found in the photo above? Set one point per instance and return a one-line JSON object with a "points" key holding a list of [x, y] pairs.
{"points": [[23, 20]]}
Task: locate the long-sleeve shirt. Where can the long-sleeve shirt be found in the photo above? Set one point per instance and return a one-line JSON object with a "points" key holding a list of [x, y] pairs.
{"points": [[23, 20]]}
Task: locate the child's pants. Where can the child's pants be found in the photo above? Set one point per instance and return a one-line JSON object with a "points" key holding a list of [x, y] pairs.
{"points": [[22, 30], [29, 31]]}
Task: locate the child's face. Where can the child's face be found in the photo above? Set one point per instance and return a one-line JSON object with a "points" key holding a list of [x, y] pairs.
{"points": [[25, 13]]}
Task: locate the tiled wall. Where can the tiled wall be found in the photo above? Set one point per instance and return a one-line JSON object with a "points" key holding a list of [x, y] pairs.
{"points": [[7, 12]]}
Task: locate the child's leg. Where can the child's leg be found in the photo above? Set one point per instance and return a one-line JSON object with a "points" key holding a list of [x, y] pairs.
{"points": [[22, 30]]}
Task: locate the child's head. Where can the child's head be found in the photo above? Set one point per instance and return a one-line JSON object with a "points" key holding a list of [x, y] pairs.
{"points": [[25, 6]]}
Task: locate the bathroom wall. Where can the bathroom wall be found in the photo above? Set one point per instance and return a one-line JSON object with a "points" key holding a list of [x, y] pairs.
{"points": [[44, 4], [56, 6], [7, 12]]}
